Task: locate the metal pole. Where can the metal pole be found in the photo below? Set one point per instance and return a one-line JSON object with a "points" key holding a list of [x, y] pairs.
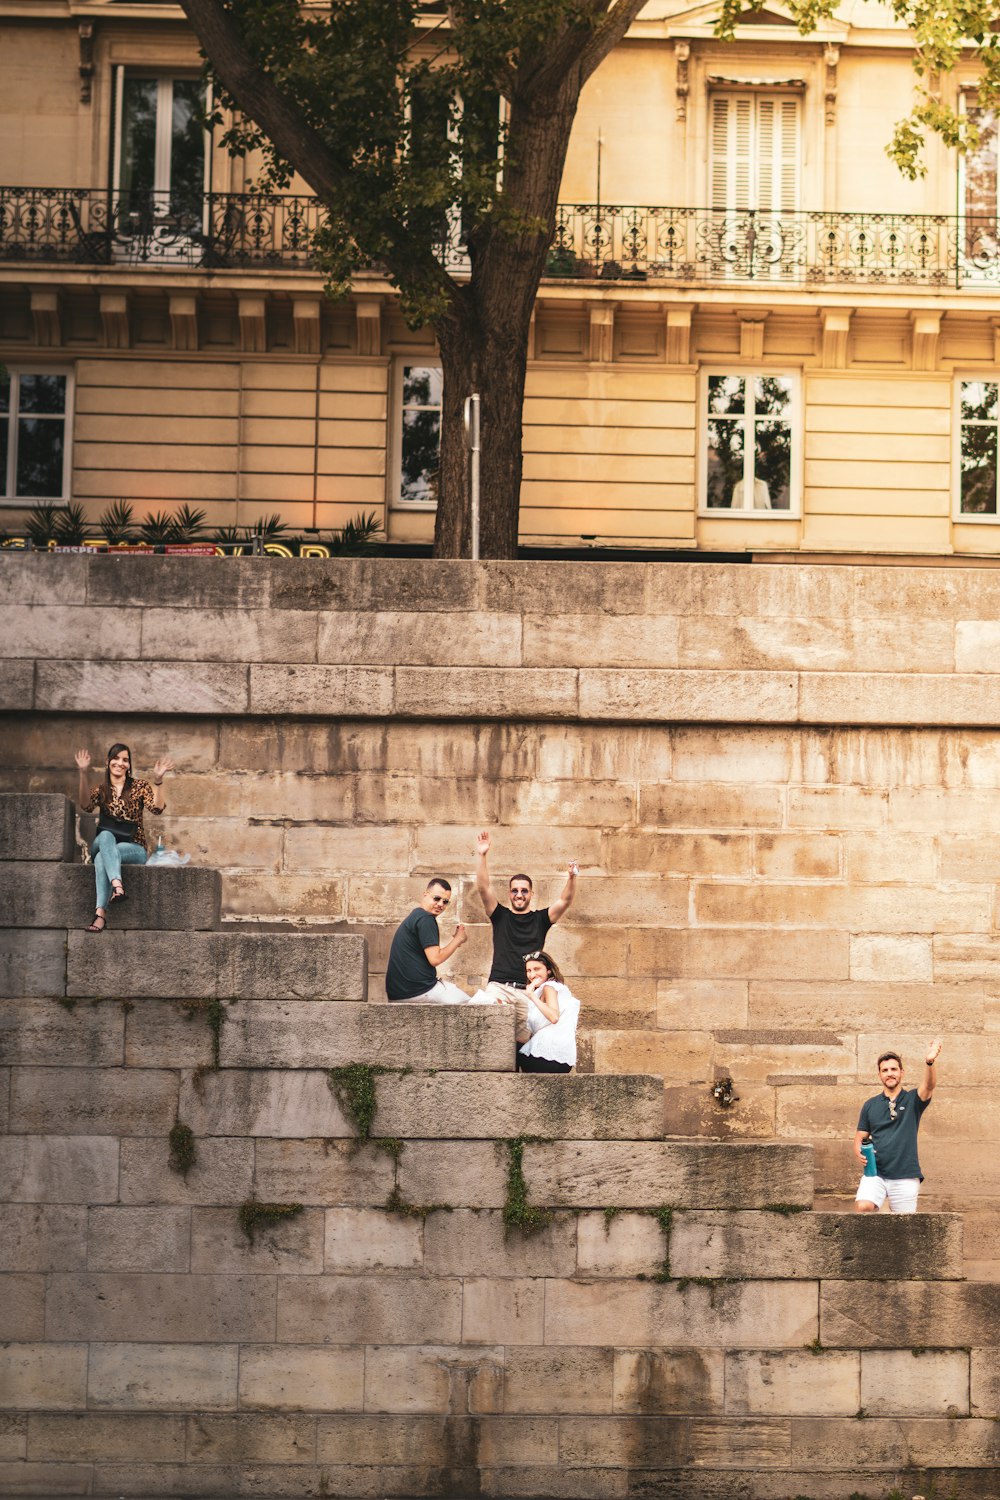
{"points": [[471, 416]]}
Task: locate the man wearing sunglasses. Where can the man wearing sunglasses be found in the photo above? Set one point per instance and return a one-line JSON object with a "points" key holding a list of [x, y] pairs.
{"points": [[517, 929], [417, 951], [890, 1121]]}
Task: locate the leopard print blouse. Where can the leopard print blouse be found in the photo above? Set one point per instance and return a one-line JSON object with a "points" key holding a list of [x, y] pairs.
{"points": [[126, 806]]}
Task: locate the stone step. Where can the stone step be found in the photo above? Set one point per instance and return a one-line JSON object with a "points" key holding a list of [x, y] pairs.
{"points": [[35, 826], [697, 1174], [255, 1033], [52, 895], [785, 1246], [431, 1106], [229, 965], [311, 1034]]}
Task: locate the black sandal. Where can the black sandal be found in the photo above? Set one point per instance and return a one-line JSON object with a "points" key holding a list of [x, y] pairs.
{"points": [[98, 918], [117, 895]]}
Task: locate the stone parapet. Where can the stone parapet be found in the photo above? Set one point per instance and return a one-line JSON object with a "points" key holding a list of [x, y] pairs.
{"points": [[35, 826], [601, 642], [289, 1104], [50, 895]]}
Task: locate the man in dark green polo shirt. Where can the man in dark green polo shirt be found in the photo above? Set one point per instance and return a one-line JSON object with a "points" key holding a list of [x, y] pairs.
{"points": [[890, 1120]]}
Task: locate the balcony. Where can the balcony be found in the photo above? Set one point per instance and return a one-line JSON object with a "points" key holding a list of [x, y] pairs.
{"points": [[686, 246]]}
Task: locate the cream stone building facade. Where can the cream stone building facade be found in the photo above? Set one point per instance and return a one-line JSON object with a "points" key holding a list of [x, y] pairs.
{"points": [[756, 335]]}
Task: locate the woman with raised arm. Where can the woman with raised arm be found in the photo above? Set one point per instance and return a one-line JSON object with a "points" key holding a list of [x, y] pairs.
{"points": [[120, 801], [553, 1011]]}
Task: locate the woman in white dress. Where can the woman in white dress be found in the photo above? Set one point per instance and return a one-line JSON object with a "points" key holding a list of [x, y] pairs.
{"points": [[553, 1011]]}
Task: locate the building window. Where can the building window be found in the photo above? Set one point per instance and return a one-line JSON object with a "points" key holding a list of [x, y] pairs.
{"points": [[419, 446], [978, 196], [160, 149], [750, 443], [979, 418], [755, 151], [34, 441]]}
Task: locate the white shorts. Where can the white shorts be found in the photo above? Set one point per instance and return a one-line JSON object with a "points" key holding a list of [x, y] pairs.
{"points": [[900, 1191], [442, 993]]}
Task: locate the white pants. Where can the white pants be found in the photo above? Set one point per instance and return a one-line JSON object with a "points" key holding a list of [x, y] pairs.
{"points": [[900, 1191], [442, 993]]}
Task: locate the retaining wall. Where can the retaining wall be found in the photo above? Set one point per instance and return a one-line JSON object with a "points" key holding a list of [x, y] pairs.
{"points": [[781, 782], [276, 1306]]}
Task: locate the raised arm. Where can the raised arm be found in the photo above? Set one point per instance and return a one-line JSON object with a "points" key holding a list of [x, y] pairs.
{"points": [[929, 1081], [82, 758], [486, 893], [565, 898], [162, 766], [439, 953]]}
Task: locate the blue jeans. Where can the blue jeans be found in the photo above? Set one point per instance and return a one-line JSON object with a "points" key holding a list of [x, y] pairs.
{"points": [[109, 856]]}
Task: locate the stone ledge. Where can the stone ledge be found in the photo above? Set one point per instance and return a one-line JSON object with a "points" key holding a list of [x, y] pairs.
{"points": [[842, 1246], [50, 895], [592, 1174], [246, 965], [310, 1034], [35, 826], [299, 1105]]}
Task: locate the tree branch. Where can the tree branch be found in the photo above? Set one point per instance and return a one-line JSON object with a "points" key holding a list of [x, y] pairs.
{"points": [[286, 126], [260, 98], [579, 48]]}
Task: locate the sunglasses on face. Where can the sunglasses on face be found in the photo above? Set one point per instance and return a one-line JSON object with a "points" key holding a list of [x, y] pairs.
{"points": [[441, 900]]}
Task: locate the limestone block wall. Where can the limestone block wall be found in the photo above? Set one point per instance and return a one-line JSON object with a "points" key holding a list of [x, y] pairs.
{"points": [[781, 782], [670, 1327]]}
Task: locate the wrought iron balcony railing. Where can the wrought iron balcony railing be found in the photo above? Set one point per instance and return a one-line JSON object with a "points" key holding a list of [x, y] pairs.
{"points": [[90, 226]]}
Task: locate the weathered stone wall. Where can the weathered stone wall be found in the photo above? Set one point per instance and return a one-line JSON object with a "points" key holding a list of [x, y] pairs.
{"points": [[782, 784], [671, 1328]]}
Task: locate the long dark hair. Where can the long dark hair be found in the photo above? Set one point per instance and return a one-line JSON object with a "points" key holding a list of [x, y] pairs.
{"points": [[544, 958], [107, 789]]}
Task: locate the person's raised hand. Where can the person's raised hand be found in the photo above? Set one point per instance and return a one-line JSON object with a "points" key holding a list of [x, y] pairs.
{"points": [[82, 758], [483, 842], [162, 766], [461, 936], [932, 1052]]}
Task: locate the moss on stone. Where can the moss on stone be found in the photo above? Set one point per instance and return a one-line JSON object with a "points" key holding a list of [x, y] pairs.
{"points": [[253, 1215], [664, 1216], [518, 1213], [183, 1153]]}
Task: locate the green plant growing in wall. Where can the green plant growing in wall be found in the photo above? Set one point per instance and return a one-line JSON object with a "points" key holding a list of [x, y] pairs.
{"points": [[214, 1011], [253, 1215], [518, 1213], [664, 1216], [183, 1153], [353, 1087]]}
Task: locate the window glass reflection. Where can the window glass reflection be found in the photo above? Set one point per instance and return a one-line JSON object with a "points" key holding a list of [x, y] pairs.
{"points": [[726, 393], [39, 459], [43, 395], [979, 400], [725, 462]]}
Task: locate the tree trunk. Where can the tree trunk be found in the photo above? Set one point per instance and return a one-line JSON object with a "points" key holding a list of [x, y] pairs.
{"points": [[483, 338], [492, 363]]}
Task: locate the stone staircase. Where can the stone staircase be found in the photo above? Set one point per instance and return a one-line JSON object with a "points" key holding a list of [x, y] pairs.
{"points": [[265, 1239]]}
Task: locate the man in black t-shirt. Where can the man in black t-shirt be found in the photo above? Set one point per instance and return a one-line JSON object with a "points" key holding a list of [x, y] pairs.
{"points": [[890, 1121], [417, 950], [517, 929]]}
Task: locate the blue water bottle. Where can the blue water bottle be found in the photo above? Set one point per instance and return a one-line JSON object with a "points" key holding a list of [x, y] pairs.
{"points": [[868, 1152]]}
